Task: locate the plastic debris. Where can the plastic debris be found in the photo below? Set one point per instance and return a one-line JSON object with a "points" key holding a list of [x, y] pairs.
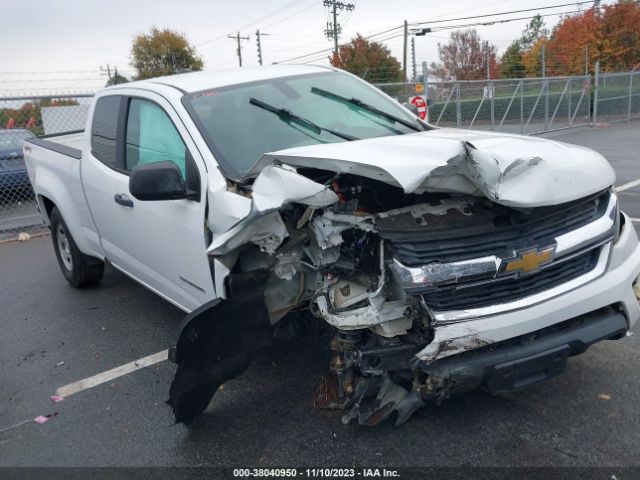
{"points": [[45, 418], [604, 396], [57, 398], [59, 364], [24, 237]]}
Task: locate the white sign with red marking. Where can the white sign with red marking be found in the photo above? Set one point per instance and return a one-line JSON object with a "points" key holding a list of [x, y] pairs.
{"points": [[421, 104]]}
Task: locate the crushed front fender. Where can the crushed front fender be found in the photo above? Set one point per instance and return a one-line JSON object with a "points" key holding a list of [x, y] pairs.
{"points": [[215, 344]]}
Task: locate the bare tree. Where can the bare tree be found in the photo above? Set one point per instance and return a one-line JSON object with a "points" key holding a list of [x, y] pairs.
{"points": [[465, 56]]}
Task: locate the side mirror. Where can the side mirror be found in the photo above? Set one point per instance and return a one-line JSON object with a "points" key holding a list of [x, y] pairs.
{"points": [[158, 181]]}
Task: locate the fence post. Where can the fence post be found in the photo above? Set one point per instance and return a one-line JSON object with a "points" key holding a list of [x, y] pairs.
{"points": [[546, 104], [570, 93], [596, 81], [425, 80], [458, 106], [492, 91], [587, 79], [630, 95], [521, 107]]}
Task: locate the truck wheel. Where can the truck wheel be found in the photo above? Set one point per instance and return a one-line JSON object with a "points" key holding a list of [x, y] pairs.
{"points": [[79, 269]]}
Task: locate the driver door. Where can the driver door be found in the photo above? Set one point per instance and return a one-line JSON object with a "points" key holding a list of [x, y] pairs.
{"points": [[159, 243]]}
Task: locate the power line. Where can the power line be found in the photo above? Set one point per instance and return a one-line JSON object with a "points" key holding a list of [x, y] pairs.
{"points": [[51, 72], [313, 4], [264, 17], [503, 13], [494, 22], [326, 50], [447, 27]]}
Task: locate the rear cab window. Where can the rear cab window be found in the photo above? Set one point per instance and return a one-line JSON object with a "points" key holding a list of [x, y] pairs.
{"points": [[104, 130]]}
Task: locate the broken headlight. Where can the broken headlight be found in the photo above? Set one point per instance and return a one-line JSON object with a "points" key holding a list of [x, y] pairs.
{"points": [[423, 278]]}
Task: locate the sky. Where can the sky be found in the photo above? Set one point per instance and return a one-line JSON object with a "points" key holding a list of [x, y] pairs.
{"points": [[62, 44]]}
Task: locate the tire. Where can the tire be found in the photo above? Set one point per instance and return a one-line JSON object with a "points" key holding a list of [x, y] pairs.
{"points": [[79, 269]]}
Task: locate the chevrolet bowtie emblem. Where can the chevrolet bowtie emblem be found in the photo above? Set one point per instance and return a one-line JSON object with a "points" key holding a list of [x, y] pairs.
{"points": [[528, 261]]}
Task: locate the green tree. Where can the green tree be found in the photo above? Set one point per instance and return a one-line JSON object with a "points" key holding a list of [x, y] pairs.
{"points": [[511, 65], [534, 31], [163, 52], [370, 60]]}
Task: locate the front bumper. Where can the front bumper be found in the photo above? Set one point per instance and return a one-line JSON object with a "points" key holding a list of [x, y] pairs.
{"points": [[613, 287], [519, 363]]}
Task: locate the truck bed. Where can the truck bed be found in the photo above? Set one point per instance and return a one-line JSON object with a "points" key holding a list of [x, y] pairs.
{"points": [[69, 144], [54, 167]]}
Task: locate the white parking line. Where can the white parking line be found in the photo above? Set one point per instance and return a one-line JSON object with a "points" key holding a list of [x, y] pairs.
{"points": [[627, 186], [112, 374]]}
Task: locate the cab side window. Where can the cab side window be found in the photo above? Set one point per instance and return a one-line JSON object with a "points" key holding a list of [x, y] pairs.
{"points": [[104, 129], [152, 137]]}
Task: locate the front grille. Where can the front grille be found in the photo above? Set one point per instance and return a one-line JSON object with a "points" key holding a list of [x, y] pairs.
{"points": [[485, 229], [508, 289]]}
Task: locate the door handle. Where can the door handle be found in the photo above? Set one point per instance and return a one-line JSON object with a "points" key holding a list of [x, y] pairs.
{"points": [[122, 199]]}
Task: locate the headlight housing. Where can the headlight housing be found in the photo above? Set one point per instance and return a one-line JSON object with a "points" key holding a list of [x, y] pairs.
{"points": [[618, 218]]}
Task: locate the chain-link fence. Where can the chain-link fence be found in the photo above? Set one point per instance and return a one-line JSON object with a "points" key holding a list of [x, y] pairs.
{"points": [[617, 97], [22, 118], [528, 105]]}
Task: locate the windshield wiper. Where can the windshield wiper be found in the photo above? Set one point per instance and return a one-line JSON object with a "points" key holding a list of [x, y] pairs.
{"points": [[365, 106], [287, 116]]}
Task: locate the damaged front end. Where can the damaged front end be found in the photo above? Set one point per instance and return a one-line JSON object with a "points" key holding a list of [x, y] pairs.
{"points": [[383, 266]]}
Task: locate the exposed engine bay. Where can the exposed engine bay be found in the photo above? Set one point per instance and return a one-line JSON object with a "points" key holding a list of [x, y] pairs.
{"points": [[377, 264]]}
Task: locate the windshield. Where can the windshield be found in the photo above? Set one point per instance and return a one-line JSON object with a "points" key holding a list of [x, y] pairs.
{"points": [[13, 139], [240, 130]]}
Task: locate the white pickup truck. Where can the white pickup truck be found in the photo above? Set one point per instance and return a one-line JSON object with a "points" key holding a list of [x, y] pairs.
{"points": [[443, 260]]}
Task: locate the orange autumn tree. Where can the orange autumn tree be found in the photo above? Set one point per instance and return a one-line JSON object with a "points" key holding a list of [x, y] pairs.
{"points": [[566, 50], [368, 59], [532, 58], [611, 33], [620, 36]]}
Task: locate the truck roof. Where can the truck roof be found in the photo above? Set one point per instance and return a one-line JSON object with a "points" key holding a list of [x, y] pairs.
{"points": [[197, 81]]}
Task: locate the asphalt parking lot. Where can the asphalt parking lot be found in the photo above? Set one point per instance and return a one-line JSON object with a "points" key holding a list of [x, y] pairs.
{"points": [[54, 335]]}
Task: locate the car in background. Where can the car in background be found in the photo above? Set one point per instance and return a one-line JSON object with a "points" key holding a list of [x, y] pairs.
{"points": [[13, 174]]}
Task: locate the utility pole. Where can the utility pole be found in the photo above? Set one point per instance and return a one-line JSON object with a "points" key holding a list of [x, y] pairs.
{"points": [[108, 69], [239, 49], [404, 51], [334, 29], [488, 65], [259, 45], [413, 58], [546, 88]]}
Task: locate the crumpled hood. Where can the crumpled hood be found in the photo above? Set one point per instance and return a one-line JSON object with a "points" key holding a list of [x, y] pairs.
{"points": [[509, 169]]}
